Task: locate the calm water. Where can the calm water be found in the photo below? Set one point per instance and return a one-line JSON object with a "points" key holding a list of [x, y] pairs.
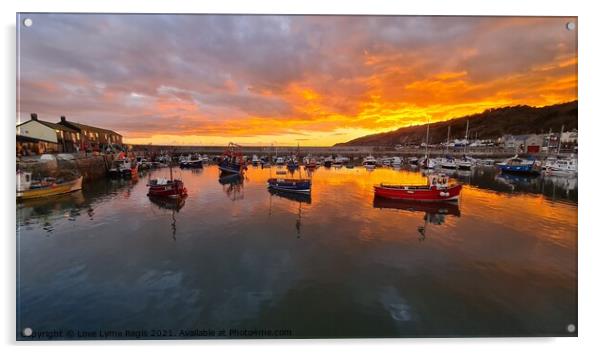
{"points": [[501, 263]]}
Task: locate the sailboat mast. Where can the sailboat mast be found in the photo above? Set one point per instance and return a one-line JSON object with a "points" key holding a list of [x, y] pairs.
{"points": [[560, 137], [466, 138], [170, 167], [447, 145], [428, 125]]}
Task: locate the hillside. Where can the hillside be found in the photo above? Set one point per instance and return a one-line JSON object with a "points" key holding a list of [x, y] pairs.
{"points": [[489, 124]]}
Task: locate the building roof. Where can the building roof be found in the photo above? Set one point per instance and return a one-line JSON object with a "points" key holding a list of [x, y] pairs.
{"points": [[32, 139], [49, 125], [58, 126], [88, 127]]}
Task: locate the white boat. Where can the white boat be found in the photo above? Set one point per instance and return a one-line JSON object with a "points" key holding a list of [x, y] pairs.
{"points": [[465, 163], [369, 161], [280, 161], [561, 167], [448, 162], [485, 162], [396, 161], [338, 161], [428, 163]]}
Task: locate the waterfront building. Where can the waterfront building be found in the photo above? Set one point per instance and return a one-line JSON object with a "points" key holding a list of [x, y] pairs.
{"points": [[37, 137], [529, 143], [94, 138]]}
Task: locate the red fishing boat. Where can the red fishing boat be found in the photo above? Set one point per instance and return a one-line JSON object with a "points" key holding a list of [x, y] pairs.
{"points": [[167, 188], [438, 188]]}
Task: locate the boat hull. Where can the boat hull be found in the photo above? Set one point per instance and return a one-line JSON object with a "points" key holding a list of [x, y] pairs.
{"points": [[62, 188], [174, 189], [519, 169], [191, 164], [127, 173], [290, 185], [423, 194], [231, 168]]}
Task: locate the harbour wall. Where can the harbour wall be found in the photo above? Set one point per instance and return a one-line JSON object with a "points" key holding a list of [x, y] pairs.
{"points": [[90, 167], [347, 151]]}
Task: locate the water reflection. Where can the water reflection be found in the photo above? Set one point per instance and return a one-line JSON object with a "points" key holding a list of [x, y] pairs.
{"points": [[233, 186], [105, 258], [434, 213], [552, 187], [295, 197], [173, 204]]}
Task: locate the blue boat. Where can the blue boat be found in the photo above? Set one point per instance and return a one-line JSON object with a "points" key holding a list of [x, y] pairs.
{"points": [[232, 161], [191, 164], [292, 164], [229, 167], [292, 185], [520, 166]]}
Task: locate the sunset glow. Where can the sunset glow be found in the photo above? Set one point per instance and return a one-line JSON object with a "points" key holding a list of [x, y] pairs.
{"points": [[283, 80]]}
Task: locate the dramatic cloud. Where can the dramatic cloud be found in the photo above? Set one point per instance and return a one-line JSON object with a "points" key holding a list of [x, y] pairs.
{"points": [[210, 79]]}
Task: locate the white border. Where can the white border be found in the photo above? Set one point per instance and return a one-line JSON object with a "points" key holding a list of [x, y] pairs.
{"points": [[590, 129]]}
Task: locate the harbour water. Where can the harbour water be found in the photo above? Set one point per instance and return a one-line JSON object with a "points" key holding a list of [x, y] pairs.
{"points": [[234, 257]]}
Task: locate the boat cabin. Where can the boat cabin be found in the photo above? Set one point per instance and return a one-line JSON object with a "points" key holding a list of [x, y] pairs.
{"points": [[438, 180]]}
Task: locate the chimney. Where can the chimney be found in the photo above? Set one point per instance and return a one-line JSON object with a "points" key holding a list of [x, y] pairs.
{"points": [[34, 116], [63, 119]]}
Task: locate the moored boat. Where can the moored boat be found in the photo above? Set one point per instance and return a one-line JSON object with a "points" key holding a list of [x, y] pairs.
{"points": [[191, 162], [428, 163], [438, 188], [292, 163], [232, 161], [27, 188], [166, 188], [466, 163], [448, 162], [561, 167], [293, 185], [123, 168], [369, 162], [520, 166]]}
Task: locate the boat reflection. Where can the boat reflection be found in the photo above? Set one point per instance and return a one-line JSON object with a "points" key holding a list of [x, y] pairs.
{"points": [[295, 197], [437, 208], [434, 213], [173, 204], [299, 197], [233, 186], [168, 203]]}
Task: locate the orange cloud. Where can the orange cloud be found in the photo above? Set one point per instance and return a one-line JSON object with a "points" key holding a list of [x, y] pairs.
{"points": [[320, 80]]}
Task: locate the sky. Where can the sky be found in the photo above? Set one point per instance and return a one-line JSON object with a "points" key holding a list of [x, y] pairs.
{"points": [[285, 80]]}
